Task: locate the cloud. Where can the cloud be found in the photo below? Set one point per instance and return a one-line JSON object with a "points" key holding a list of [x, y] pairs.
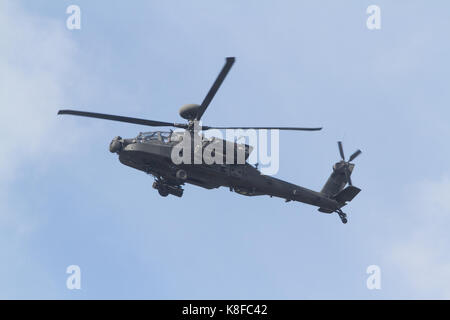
{"points": [[36, 59], [422, 256]]}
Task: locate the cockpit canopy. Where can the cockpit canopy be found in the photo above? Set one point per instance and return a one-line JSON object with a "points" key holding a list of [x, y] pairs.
{"points": [[161, 136], [174, 137]]}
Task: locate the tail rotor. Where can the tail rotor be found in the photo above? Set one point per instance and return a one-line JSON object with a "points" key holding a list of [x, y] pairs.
{"points": [[335, 187], [347, 166]]}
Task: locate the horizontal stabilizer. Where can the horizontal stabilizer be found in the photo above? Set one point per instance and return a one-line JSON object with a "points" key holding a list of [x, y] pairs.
{"points": [[325, 210], [347, 194]]}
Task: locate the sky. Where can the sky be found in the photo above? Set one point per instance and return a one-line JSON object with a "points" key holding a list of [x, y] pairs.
{"points": [[66, 200]]}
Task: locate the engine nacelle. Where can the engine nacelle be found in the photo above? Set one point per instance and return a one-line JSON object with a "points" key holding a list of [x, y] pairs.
{"points": [[238, 150]]}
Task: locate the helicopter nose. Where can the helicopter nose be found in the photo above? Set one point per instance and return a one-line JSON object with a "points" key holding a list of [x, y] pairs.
{"points": [[115, 145]]}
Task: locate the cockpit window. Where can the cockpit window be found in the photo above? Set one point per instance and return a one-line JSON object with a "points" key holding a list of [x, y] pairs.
{"points": [[176, 137], [165, 136], [148, 137]]}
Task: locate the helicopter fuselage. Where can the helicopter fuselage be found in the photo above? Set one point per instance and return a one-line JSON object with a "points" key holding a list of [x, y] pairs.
{"points": [[155, 153], [153, 156]]}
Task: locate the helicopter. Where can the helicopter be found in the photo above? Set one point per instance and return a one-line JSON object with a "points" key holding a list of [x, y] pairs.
{"points": [[153, 153]]}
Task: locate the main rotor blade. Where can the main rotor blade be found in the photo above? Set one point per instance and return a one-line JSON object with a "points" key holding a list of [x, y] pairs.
{"points": [[354, 155], [341, 150], [212, 92], [144, 122], [268, 128]]}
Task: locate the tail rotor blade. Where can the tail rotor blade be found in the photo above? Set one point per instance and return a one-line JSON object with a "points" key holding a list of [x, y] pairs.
{"points": [[354, 155], [349, 180], [346, 166], [341, 150], [347, 176]]}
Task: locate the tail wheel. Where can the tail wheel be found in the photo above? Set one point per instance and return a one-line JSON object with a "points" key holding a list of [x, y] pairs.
{"points": [[342, 215]]}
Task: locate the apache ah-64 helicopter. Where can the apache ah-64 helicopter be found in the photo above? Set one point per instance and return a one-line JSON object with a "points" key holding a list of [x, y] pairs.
{"points": [[151, 152]]}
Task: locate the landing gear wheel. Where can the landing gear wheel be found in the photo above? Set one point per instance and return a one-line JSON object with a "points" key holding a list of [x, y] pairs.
{"points": [[342, 215], [163, 191]]}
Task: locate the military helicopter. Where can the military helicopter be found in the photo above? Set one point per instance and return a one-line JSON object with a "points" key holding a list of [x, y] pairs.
{"points": [[152, 153]]}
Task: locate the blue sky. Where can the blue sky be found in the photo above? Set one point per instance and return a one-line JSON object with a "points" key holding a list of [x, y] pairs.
{"points": [[64, 199]]}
